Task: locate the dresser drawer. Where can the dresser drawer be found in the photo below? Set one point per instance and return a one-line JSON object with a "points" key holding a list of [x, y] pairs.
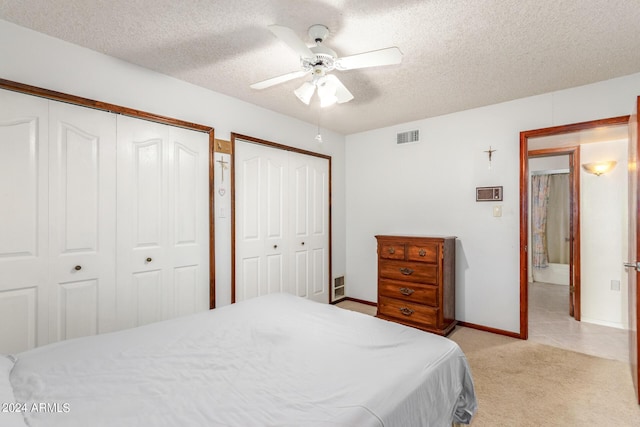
{"points": [[412, 292], [392, 250], [409, 271], [427, 252], [407, 311]]}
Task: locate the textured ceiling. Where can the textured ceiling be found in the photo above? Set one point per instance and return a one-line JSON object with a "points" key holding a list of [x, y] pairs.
{"points": [[458, 54]]}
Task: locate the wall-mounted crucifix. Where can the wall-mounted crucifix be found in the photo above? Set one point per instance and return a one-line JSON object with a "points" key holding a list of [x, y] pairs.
{"points": [[223, 166], [490, 152]]}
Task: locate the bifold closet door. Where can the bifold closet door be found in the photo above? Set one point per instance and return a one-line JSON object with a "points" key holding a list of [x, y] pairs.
{"points": [[82, 198], [24, 217], [309, 226], [163, 227], [282, 219], [262, 242]]}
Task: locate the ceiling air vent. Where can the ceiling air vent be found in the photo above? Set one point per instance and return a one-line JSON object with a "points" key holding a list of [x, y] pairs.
{"points": [[408, 136]]}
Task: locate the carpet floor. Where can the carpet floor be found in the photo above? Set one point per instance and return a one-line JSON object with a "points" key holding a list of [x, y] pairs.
{"points": [[520, 383]]}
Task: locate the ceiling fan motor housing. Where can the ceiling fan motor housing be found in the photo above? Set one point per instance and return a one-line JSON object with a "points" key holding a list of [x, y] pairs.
{"points": [[318, 33]]}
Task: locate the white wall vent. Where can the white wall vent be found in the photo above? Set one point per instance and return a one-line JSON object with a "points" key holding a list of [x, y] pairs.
{"points": [[408, 136]]}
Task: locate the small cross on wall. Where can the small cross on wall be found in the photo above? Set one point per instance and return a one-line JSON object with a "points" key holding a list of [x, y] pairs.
{"points": [[490, 152], [223, 166]]}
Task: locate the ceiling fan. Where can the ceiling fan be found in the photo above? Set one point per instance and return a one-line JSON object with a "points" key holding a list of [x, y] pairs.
{"points": [[319, 60]]}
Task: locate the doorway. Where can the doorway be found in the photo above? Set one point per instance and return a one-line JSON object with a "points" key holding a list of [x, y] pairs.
{"points": [[551, 216], [549, 142]]}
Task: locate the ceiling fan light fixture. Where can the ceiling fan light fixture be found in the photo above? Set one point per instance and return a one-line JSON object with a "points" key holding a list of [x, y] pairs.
{"points": [[305, 92], [327, 93], [327, 101]]}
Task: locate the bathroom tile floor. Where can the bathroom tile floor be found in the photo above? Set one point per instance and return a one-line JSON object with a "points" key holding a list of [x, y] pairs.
{"points": [[550, 324]]}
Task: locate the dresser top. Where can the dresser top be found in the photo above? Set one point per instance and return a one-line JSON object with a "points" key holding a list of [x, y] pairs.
{"points": [[413, 236]]}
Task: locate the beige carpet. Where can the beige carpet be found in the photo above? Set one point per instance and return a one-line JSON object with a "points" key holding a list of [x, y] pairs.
{"points": [[520, 383]]}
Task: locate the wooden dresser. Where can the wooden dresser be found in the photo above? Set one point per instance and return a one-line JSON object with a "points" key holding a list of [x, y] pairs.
{"points": [[416, 281]]}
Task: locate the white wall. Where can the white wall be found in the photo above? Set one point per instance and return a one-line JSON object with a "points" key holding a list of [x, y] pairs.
{"points": [[39, 60], [604, 235], [429, 188]]}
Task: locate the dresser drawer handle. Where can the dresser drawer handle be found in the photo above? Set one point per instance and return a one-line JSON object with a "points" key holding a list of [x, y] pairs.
{"points": [[406, 311], [422, 252], [406, 291], [406, 271], [392, 250]]}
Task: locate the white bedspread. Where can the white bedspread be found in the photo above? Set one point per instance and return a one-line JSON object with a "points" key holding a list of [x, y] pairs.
{"points": [[276, 360]]}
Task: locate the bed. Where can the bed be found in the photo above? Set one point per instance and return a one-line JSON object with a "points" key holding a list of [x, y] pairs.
{"points": [[274, 360]]}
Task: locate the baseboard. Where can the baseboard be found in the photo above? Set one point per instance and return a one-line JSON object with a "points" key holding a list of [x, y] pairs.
{"points": [[465, 324], [491, 330], [361, 301]]}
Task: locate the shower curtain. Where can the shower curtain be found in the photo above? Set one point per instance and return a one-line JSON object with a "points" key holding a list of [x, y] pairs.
{"points": [[550, 219], [539, 200], [558, 219]]}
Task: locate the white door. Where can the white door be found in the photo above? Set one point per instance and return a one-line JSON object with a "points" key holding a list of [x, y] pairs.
{"points": [[282, 219], [189, 230], [163, 227], [82, 196], [23, 222], [261, 227], [309, 226]]}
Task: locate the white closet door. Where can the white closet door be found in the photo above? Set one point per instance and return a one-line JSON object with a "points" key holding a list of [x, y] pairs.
{"points": [[23, 222], [81, 221], [189, 233], [163, 227], [282, 219], [310, 226], [262, 243]]}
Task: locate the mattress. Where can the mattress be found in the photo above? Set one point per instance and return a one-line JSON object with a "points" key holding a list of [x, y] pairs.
{"points": [[274, 360]]}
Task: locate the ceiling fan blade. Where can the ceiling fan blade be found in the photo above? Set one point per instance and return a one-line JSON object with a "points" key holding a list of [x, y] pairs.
{"points": [[280, 79], [342, 93], [291, 39], [388, 56]]}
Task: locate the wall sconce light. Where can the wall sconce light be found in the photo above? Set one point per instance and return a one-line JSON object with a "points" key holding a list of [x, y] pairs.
{"points": [[598, 168]]}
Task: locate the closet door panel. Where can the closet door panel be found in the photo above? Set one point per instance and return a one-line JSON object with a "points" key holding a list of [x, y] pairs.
{"points": [[24, 219], [189, 296], [189, 183], [81, 221], [310, 228], [282, 219], [262, 221], [142, 216], [318, 239], [163, 221], [78, 309]]}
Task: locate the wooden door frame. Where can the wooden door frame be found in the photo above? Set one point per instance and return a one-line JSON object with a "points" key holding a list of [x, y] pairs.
{"points": [[118, 109], [278, 146], [524, 203]]}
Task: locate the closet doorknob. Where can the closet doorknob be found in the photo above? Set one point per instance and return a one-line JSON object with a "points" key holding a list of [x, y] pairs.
{"points": [[149, 259], [78, 267], [275, 246], [302, 243]]}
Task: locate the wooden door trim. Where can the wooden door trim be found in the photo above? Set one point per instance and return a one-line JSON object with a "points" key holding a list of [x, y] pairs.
{"points": [[634, 343], [524, 202], [125, 111], [278, 146]]}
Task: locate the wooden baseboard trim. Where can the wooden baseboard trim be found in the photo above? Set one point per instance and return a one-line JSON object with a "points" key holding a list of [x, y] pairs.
{"points": [[491, 330], [361, 301]]}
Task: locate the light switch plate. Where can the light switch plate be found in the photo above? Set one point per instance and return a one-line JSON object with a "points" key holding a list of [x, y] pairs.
{"points": [[497, 211]]}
